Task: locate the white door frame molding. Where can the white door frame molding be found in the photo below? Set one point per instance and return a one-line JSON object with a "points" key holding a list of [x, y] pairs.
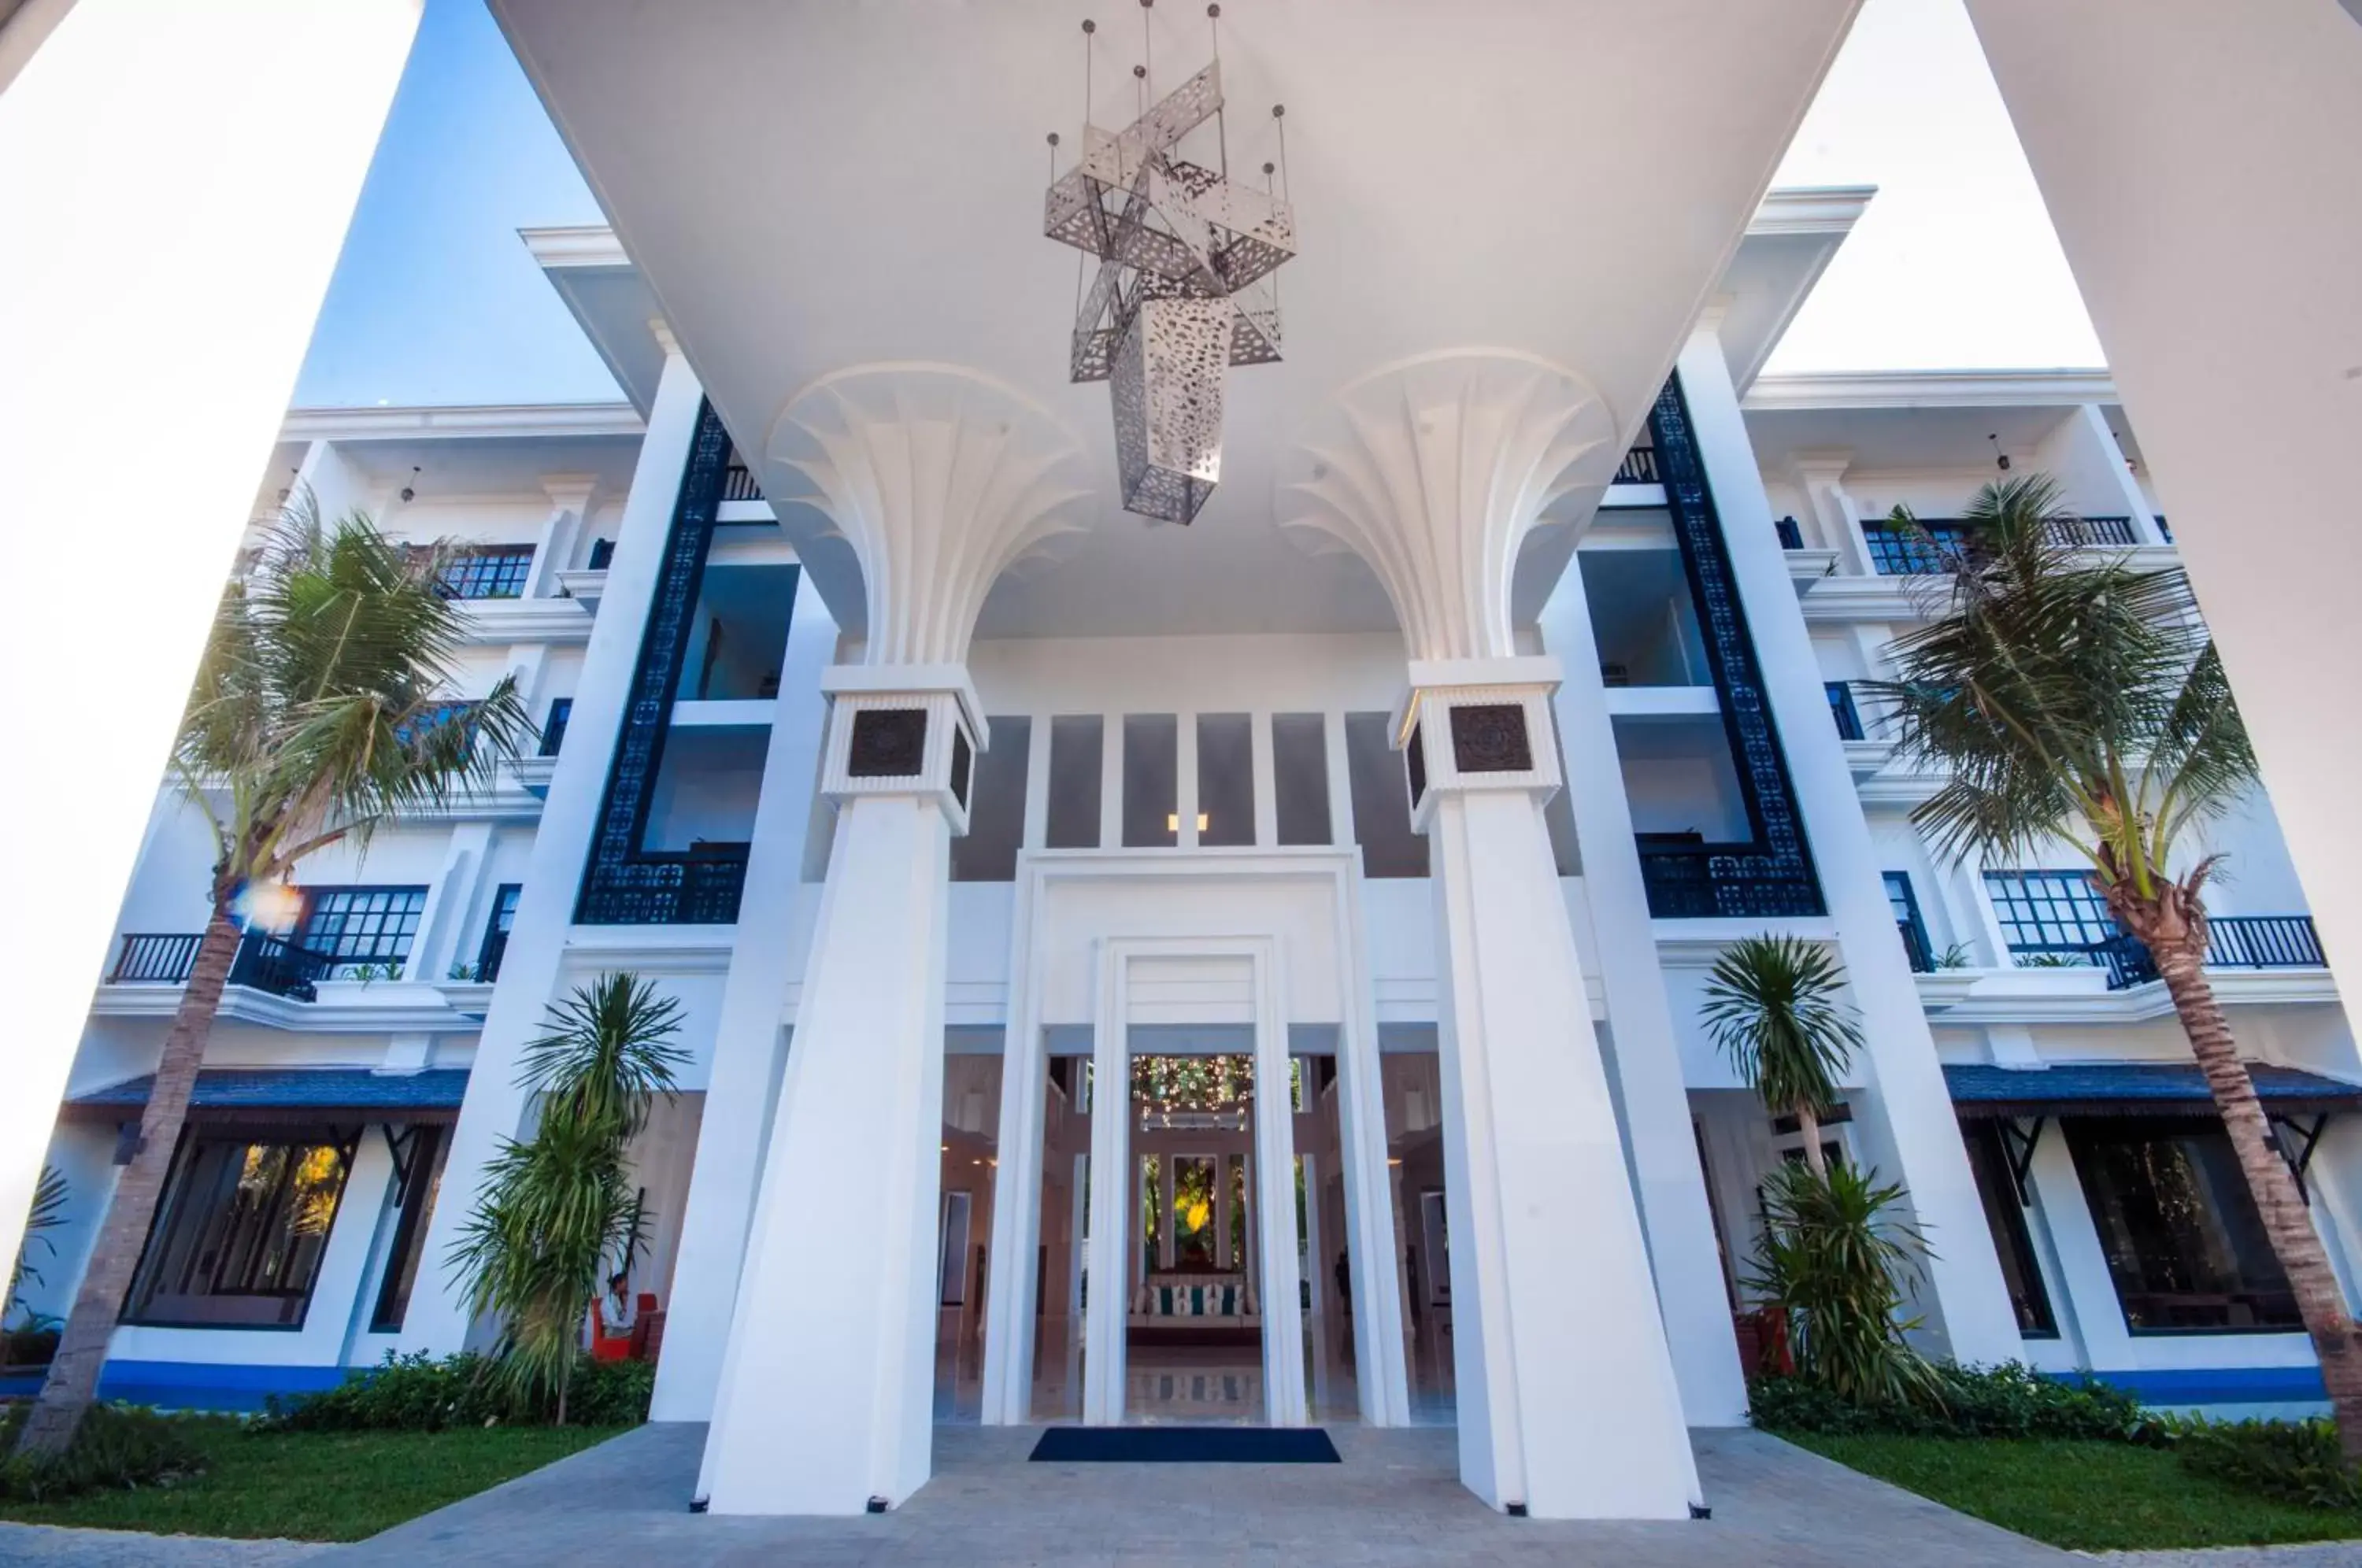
{"points": [[1041, 875]]}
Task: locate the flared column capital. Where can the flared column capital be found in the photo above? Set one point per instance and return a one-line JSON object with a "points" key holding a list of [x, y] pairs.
{"points": [[1434, 469], [939, 478]]}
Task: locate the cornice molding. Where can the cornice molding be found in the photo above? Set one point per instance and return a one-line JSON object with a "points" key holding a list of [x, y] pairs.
{"points": [[2059, 388], [1812, 209], [575, 245], [517, 421]]}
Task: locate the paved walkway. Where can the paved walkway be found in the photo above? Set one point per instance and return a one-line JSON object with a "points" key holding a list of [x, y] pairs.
{"points": [[127, 1549], [1396, 1500]]}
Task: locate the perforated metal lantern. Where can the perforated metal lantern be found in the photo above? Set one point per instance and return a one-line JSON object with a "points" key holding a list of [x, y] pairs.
{"points": [[1167, 391], [1184, 290]]}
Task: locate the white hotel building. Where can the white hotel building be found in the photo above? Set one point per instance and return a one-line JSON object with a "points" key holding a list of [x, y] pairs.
{"points": [[1423, 777]]}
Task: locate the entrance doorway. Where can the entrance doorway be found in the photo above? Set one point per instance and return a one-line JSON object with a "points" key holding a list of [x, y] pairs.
{"points": [[1193, 1148], [1193, 1333]]}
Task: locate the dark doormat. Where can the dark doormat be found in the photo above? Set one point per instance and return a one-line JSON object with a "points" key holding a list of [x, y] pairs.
{"points": [[1185, 1445]]}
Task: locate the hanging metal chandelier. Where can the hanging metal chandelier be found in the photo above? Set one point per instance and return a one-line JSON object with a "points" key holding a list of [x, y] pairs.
{"points": [[1185, 287]]}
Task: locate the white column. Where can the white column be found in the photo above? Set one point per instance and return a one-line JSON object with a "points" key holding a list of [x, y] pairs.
{"points": [[1114, 1199], [1554, 1322], [1271, 1181], [143, 149], [2142, 118], [825, 1396], [747, 1056], [938, 479], [570, 505], [337, 484], [442, 923], [494, 1108], [1905, 1110], [1837, 519], [1372, 1224], [1434, 471], [1687, 1264]]}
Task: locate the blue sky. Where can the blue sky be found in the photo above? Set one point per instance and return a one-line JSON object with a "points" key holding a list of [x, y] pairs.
{"points": [[436, 302]]}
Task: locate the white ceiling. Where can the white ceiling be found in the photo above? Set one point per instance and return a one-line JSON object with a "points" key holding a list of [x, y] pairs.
{"points": [[809, 187]]}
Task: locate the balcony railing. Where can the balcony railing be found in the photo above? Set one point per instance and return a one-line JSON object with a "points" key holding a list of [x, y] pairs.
{"points": [[264, 963], [273, 964], [1703, 881], [1896, 553], [1639, 466], [699, 887], [2097, 533], [738, 481], [154, 958], [2233, 942]]}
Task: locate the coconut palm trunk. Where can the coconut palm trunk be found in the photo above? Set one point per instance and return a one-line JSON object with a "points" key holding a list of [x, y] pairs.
{"points": [[1808, 1123], [72, 1380], [2173, 926]]}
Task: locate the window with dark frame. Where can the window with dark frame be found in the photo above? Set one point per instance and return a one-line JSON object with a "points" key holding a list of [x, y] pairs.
{"points": [[2012, 1239], [996, 813], [1381, 799], [486, 571], [553, 729], [1908, 925], [496, 932], [2059, 913], [244, 1218], [2186, 1249], [357, 926], [1226, 792], [423, 1148], [1300, 767], [1077, 743]]}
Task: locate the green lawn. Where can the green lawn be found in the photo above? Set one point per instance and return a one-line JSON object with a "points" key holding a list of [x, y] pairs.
{"points": [[317, 1486], [2087, 1497]]}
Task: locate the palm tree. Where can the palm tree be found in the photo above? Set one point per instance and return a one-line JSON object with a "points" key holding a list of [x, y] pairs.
{"points": [[1772, 1004], [321, 712], [2082, 700], [556, 1208], [1835, 1257]]}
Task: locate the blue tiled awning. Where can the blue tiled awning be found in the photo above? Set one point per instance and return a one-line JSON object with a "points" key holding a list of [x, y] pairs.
{"points": [[432, 1094], [2132, 1088]]}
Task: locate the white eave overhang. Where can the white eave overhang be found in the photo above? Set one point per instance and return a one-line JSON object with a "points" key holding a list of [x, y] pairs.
{"points": [[1839, 390], [536, 421]]}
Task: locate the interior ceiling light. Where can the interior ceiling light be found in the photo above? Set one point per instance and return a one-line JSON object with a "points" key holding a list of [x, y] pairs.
{"points": [[1185, 285]]}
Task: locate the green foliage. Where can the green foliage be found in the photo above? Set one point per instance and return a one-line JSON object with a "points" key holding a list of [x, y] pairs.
{"points": [[556, 1208], [322, 706], [2011, 1400], [1837, 1257], [2063, 694], [2296, 1462], [421, 1393], [1772, 1004], [115, 1446], [47, 1213], [2080, 1495], [606, 1053], [308, 1485]]}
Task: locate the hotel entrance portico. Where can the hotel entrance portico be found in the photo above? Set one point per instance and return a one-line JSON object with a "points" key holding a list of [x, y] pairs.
{"points": [[1169, 956]]}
